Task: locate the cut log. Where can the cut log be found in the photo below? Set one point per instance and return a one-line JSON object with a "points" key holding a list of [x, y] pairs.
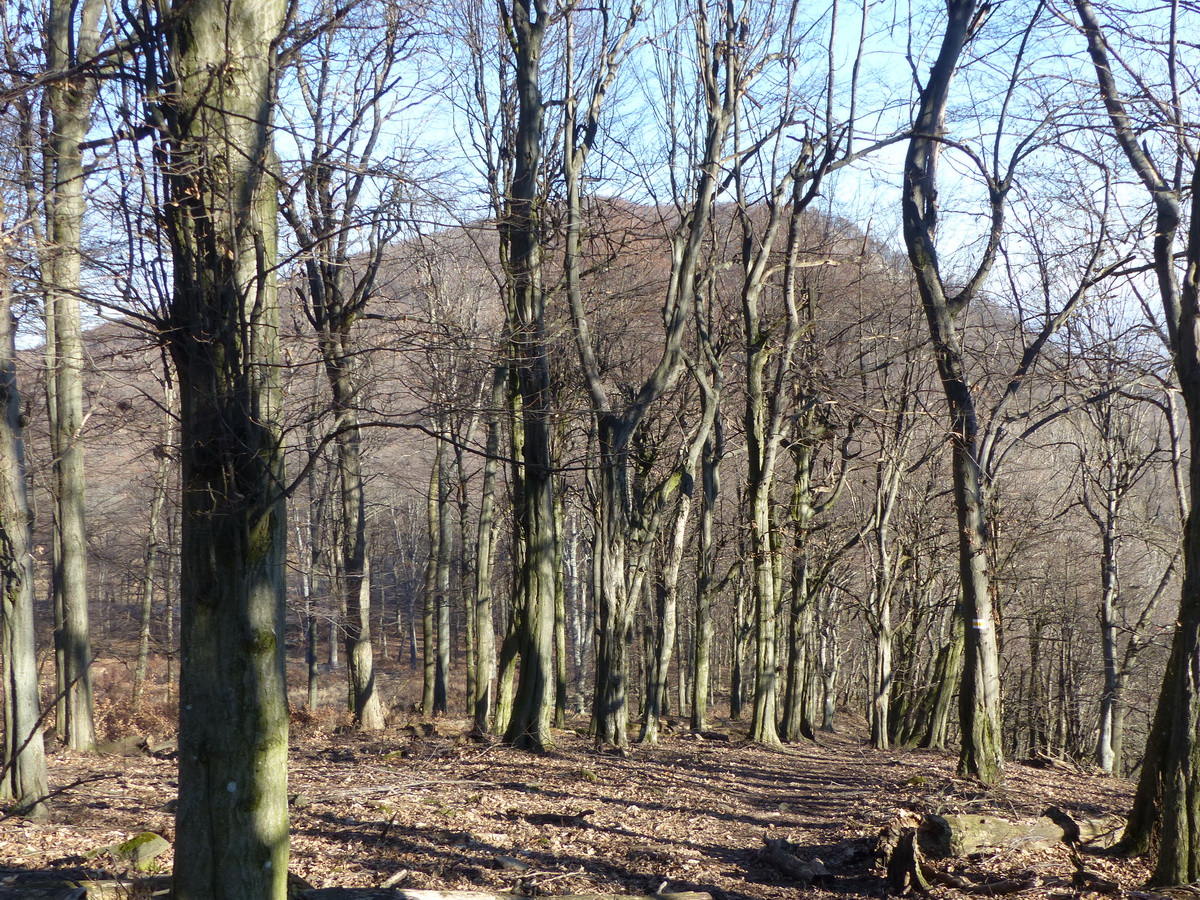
{"points": [[963, 835]]}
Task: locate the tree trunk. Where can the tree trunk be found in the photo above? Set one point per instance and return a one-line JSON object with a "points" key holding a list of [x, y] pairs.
{"points": [[737, 638], [881, 670], [232, 823], [830, 660], [1109, 698], [23, 779], [762, 721], [521, 254], [70, 41], [660, 666], [150, 558], [706, 563], [429, 608], [615, 606], [441, 674], [979, 696], [577, 614], [485, 633], [355, 562], [945, 679], [561, 682]]}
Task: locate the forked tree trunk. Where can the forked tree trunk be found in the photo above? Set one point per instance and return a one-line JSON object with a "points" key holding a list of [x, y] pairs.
{"points": [[232, 823], [484, 699], [979, 695], [668, 589]]}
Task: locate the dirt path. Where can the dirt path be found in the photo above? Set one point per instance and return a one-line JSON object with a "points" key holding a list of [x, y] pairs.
{"points": [[427, 808]]}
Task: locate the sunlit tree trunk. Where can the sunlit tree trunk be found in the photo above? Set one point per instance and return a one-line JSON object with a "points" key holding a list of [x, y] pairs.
{"points": [[73, 36], [979, 694], [165, 452], [521, 255], [484, 698], [232, 822], [445, 526], [429, 606], [23, 781]]}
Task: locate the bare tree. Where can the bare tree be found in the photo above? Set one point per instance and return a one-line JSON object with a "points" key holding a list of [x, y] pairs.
{"points": [[979, 694], [214, 104], [23, 778], [342, 205], [1164, 820], [75, 33]]}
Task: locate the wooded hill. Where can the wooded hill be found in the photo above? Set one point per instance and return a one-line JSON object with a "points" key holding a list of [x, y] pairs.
{"points": [[1088, 436], [532, 360]]}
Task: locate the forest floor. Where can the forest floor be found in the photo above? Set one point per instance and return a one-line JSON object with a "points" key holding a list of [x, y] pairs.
{"points": [[420, 805]]}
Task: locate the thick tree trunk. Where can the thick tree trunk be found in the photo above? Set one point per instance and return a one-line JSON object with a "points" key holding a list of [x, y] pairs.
{"points": [[610, 709], [668, 619], [521, 254], [797, 722], [982, 752], [23, 779], [232, 824]]}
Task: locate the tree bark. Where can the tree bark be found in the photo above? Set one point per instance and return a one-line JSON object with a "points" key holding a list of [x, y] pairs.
{"points": [[484, 699], [23, 778], [232, 822], [441, 673], [521, 255], [979, 695], [150, 558], [429, 607], [705, 587], [73, 38], [1165, 818]]}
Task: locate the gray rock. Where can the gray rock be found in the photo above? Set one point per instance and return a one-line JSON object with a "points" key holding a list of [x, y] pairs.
{"points": [[141, 849]]}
